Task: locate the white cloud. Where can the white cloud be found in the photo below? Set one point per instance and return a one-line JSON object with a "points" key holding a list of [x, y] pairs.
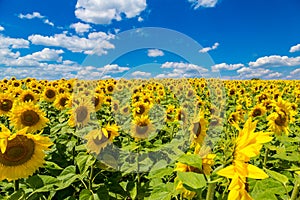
{"points": [[96, 42], [275, 61], [226, 66], [36, 15], [46, 21], [180, 69], [104, 11], [14, 43], [203, 3], [274, 75], [80, 27], [155, 53], [184, 66], [296, 71], [140, 19], [46, 55], [295, 48], [113, 69], [31, 16], [141, 74], [1, 28], [207, 49]]}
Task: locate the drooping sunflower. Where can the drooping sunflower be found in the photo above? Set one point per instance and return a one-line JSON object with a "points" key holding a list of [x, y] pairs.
{"points": [[23, 155], [6, 103], [28, 115], [98, 139], [198, 129], [80, 112], [141, 127]]}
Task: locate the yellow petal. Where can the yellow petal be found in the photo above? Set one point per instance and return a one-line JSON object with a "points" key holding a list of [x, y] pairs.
{"points": [[3, 144], [227, 171], [255, 172]]}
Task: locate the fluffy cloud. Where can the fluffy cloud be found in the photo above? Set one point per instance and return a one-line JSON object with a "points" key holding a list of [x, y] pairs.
{"points": [[207, 49], [203, 3], [296, 71], [96, 42], [14, 43], [295, 48], [180, 69], [80, 27], [226, 66], [155, 53], [141, 74], [36, 15], [104, 11], [183, 66], [1, 28], [140, 19], [275, 61]]}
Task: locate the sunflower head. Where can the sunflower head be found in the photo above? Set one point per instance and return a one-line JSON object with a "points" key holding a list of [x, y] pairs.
{"points": [[23, 155], [49, 93], [80, 112], [28, 115], [198, 129], [6, 103], [141, 127]]}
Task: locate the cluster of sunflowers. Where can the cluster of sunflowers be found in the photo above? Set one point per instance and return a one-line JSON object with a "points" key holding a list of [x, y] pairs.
{"points": [[208, 130]]}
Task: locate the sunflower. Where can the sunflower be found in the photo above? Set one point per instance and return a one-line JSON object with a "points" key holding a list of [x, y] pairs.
{"points": [[4, 135], [49, 93], [28, 115], [198, 129], [62, 101], [97, 100], [98, 139], [140, 108], [80, 112], [6, 103], [278, 123], [28, 95], [141, 127], [23, 155], [258, 110]]}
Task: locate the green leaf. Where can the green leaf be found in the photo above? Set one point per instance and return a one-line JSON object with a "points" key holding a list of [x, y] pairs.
{"points": [[43, 183], [18, 195], [192, 179], [86, 195], [277, 176], [191, 160], [84, 161]]}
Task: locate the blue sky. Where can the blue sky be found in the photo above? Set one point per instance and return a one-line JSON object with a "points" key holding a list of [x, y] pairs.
{"points": [[231, 39]]}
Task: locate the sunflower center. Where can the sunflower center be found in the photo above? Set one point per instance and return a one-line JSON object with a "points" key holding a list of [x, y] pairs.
{"points": [[142, 128], [28, 97], [110, 88], [29, 118], [81, 113], [102, 140], [197, 128], [96, 101], [18, 151], [6, 105], [141, 110], [256, 112], [50, 94], [63, 101], [280, 120]]}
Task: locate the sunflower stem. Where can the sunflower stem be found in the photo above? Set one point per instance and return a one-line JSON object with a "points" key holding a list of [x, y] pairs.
{"points": [[266, 158], [16, 185], [211, 191], [295, 190], [91, 177], [138, 174]]}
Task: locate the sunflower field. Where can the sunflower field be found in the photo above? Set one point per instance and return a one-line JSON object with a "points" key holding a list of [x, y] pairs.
{"points": [[155, 139]]}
